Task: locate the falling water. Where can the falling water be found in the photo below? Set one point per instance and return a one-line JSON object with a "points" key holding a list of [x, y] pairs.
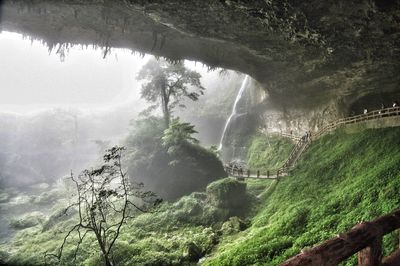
{"points": [[234, 111]]}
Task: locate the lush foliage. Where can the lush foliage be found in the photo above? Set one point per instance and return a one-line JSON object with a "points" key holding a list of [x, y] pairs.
{"points": [[105, 200], [170, 162], [177, 233], [268, 152], [167, 84], [177, 134], [341, 180]]}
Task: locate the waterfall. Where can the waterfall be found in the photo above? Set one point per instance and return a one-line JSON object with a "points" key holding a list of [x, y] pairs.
{"points": [[234, 111]]}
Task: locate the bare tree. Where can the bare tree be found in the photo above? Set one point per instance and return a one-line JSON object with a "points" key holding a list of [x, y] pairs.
{"points": [[105, 199]]}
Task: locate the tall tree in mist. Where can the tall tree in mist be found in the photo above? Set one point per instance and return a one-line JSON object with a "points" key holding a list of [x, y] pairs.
{"points": [[167, 84], [105, 200]]}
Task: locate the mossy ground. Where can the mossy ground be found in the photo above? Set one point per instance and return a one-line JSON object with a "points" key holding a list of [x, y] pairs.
{"points": [[268, 152], [341, 179], [162, 237]]}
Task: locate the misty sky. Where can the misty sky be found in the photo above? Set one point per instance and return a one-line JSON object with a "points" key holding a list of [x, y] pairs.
{"points": [[31, 78], [29, 75]]}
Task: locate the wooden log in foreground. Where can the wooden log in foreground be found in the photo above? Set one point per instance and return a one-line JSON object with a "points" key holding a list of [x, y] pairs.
{"points": [[393, 259], [361, 236]]}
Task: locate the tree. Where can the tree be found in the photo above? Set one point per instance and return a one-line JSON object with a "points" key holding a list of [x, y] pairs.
{"points": [[176, 137], [105, 199], [169, 161], [178, 133], [167, 84]]}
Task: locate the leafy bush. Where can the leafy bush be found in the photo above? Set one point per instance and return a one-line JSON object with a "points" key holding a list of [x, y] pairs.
{"points": [[268, 152], [174, 169], [227, 193]]}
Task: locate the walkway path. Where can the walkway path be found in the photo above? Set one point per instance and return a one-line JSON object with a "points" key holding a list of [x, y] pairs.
{"points": [[303, 143]]}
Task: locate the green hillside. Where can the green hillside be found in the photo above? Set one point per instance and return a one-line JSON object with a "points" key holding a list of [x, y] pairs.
{"points": [[340, 180]]}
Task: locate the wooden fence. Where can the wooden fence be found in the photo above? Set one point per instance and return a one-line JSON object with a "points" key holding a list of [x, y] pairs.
{"points": [[304, 142], [243, 172], [365, 239], [376, 114]]}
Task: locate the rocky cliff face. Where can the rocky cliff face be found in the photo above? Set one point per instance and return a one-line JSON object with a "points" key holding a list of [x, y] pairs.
{"points": [[315, 59]]}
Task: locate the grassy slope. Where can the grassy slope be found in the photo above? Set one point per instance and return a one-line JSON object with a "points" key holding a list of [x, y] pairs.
{"points": [[159, 238], [268, 153], [341, 179]]}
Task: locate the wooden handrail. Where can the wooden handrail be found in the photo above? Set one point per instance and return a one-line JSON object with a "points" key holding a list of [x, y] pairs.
{"points": [[391, 111], [365, 238], [301, 144]]}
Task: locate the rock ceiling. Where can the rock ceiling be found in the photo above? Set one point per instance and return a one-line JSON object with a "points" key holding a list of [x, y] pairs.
{"points": [[305, 51]]}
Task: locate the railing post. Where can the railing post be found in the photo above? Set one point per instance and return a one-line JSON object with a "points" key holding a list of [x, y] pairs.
{"points": [[371, 255]]}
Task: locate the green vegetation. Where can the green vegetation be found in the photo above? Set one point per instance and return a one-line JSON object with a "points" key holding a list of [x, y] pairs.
{"points": [[268, 152], [167, 84], [169, 162], [177, 233], [341, 179], [105, 200], [28, 220]]}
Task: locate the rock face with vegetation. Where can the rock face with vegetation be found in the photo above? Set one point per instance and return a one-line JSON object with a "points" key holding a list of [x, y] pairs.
{"points": [[171, 171], [342, 179], [315, 59]]}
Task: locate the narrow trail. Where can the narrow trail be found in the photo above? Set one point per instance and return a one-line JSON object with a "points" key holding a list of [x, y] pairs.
{"points": [[304, 142]]}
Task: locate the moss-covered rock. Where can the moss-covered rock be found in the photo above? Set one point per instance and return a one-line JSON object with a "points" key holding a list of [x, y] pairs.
{"points": [[227, 193], [193, 252], [233, 225], [171, 175]]}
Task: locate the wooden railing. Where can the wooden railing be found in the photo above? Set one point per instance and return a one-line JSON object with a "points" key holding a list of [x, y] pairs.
{"points": [[247, 173], [303, 143], [365, 239], [376, 114], [290, 136], [300, 146]]}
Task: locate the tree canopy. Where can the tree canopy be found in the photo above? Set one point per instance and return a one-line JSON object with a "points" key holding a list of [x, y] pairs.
{"points": [[167, 84], [169, 161]]}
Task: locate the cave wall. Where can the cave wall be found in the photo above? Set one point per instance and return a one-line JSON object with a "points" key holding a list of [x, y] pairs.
{"points": [[316, 60]]}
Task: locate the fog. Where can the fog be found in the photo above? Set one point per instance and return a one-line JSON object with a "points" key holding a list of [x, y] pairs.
{"points": [[58, 114], [33, 78]]}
